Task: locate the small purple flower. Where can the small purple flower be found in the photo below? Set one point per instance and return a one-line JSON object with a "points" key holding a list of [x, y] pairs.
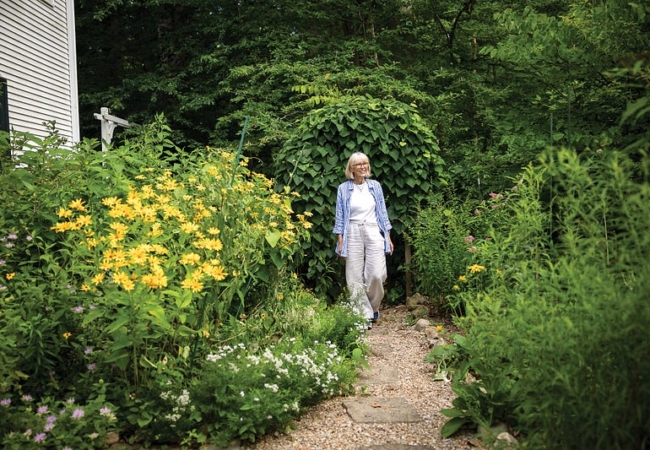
{"points": [[2, 262], [29, 238], [9, 245], [77, 413], [40, 437], [469, 239], [27, 398], [471, 249], [50, 419], [12, 236], [92, 366], [48, 427], [88, 351], [105, 411], [5, 402], [70, 401], [41, 410], [91, 307], [28, 432], [62, 412], [78, 309]]}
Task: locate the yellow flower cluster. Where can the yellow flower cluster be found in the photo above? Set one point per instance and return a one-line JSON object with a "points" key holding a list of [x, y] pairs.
{"points": [[167, 233]]}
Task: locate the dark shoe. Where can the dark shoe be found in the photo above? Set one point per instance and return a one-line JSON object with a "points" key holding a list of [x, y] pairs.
{"points": [[370, 324], [375, 317]]}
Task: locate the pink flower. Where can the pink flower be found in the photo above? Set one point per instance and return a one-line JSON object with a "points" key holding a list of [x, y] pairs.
{"points": [[469, 239], [471, 249]]}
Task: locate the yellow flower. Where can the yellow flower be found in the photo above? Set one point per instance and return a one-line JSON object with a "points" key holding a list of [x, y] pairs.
{"points": [[77, 204], [475, 268], [67, 334], [191, 284], [110, 201], [189, 227], [462, 278], [209, 244], [205, 333], [9, 276], [64, 212], [155, 280], [155, 230], [62, 226], [128, 285], [215, 271], [456, 287], [138, 255], [98, 278], [214, 230], [84, 221], [121, 278], [85, 287], [190, 259], [119, 228], [140, 177], [439, 328]]}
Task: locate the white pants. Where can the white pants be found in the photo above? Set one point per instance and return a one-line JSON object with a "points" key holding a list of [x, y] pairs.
{"points": [[365, 267]]}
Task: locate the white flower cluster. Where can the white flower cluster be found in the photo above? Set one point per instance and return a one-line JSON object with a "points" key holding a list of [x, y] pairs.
{"points": [[304, 363], [182, 401]]}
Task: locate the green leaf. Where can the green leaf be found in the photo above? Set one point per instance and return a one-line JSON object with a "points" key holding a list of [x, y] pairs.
{"points": [[452, 426], [272, 237]]}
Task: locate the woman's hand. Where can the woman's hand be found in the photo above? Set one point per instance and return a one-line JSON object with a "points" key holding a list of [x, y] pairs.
{"points": [[392, 247]]}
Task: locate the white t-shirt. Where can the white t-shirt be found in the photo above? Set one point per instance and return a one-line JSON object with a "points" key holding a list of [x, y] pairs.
{"points": [[362, 204]]}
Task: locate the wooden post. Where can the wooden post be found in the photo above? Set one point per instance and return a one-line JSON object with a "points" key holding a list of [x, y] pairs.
{"points": [[407, 263], [108, 124]]}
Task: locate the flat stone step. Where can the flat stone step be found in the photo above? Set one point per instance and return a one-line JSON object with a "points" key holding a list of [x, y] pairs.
{"points": [[379, 374], [397, 447], [381, 410]]}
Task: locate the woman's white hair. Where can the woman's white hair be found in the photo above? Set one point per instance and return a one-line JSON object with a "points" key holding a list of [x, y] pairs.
{"points": [[355, 158]]}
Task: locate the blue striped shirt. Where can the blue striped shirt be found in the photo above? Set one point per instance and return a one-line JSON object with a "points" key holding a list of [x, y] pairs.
{"points": [[343, 213]]}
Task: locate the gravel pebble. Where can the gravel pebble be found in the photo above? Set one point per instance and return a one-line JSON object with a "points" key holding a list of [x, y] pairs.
{"points": [[328, 424]]}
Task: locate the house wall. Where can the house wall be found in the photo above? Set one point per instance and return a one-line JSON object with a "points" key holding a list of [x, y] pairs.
{"points": [[38, 60]]}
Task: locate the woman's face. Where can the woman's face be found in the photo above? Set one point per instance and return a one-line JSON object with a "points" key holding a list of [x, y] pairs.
{"points": [[360, 168]]}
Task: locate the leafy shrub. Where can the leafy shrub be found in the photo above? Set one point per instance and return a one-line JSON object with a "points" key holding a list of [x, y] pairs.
{"points": [[557, 334], [445, 235], [403, 153], [122, 270]]}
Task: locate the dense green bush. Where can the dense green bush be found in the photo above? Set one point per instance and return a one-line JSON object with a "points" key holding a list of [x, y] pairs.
{"points": [[556, 333], [123, 270], [445, 235]]}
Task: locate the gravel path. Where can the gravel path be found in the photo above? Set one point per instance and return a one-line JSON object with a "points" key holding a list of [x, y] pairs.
{"points": [[328, 426]]}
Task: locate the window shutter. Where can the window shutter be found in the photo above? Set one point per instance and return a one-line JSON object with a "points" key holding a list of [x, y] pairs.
{"points": [[4, 106]]}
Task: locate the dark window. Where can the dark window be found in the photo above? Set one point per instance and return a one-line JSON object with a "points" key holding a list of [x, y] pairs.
{"points": [[4, 106]]}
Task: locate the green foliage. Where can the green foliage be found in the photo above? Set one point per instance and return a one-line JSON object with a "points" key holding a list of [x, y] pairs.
{"points": [[244, 394], [50, 423], [122, 270], [445, 235], [556, 332], [402, 152]]}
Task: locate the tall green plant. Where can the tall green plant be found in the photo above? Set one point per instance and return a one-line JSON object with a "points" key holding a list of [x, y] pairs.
{"points": [[556, 334], [403, 153]]}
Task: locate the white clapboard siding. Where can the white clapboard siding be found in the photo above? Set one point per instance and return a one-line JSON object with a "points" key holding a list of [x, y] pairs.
{"points": [[38, 60]]}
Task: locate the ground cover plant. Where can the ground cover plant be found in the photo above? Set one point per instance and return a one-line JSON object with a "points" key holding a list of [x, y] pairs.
{"points": [[144, 289], [554, 340]]}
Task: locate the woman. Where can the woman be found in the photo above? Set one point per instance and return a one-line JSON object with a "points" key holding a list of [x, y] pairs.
{"points": [[363, 230]]}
